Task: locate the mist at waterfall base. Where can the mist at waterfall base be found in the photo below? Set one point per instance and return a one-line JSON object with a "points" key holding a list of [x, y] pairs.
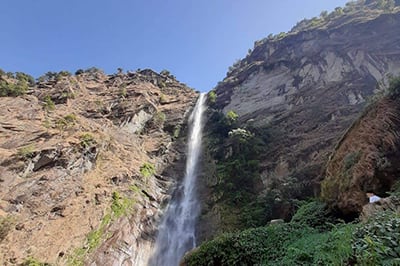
{"points": [[177, 230]]}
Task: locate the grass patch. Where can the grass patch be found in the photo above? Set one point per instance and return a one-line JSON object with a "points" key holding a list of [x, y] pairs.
{"points": [[48, 103], [67, 121], [87, 140], [147, 170], [30, 261], [120, 206], [26, 152]]}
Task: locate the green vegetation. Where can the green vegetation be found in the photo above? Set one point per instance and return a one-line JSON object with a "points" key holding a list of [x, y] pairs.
{"points": [[394, 87], [87, 140], [5, 226], [30, 261], [163, 99], [165, 72], [48, 103], [147, 170], [26, 152], [68, 95], [120, 206], [8, 88], [212, 97], [350, 160], [25, 78], [158, 120], [67, 121], [177, 131], [123, 92], [54, 76], [231, 117], [309, 239], [314, 214], [79, 72], [236, 153], [377, 242]]}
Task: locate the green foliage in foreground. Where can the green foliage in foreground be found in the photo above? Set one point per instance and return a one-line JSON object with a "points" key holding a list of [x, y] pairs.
{"points": [[282, 244], [378, 241], [375, 242]]}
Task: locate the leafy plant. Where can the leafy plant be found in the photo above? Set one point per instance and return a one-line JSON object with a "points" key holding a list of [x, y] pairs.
{"points": [[259, 246], [87, 140], [212, 97], [120, 205], [377, 241], [231, 117], [147, 170], [48, 103], [329, 248], [13, 89], [163, 99], [314, 214]]}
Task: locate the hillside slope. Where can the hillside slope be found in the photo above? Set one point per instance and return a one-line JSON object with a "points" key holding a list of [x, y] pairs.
{"points": [[87, 158]]}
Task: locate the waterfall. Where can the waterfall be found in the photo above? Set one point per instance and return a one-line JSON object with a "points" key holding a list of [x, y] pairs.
{"points": [[177, 230]]}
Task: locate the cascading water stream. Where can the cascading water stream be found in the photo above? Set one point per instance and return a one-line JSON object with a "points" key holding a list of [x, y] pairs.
{"points": [[177, 230]]}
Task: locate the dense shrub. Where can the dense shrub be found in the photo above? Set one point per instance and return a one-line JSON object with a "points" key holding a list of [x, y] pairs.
{"points": [[212, 97], [377, 242], [231, 117], [329, 248], [79, 72], [13, 89], [48, 103], [314, 214], [259, 246]]}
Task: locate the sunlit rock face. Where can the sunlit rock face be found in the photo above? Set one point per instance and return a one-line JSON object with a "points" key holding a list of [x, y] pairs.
{"points": [[309, 86], [71, 153]]}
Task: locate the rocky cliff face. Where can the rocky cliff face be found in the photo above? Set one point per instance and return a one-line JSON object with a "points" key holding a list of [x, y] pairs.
{"points": [[365, 159], [309, 85], [86, 160]]}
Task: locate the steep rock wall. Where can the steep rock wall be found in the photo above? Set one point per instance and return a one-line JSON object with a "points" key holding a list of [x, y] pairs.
{"points": [[309, 86], [366, 159], [71, 154]]}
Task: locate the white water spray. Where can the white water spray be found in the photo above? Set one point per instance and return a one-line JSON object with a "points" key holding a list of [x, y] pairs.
{"points": [[177, 230]]}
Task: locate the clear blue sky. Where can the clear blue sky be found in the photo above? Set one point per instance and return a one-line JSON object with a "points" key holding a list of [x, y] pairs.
{"points": [[197, 40]]}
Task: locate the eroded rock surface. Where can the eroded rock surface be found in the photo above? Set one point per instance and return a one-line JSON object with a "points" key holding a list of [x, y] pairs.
{"points": [[71, 151], [309, 86]]}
